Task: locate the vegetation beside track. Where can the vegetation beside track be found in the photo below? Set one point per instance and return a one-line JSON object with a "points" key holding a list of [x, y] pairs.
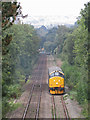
{"points": [[19, 54], [75, 57]]}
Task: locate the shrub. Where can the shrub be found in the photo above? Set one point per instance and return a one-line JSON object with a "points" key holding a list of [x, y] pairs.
{"points": [[14, 91]]}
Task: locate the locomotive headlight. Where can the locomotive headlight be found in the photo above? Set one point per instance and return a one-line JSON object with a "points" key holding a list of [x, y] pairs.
{"points": [[59, 80], [56, 83], [54, 80]]}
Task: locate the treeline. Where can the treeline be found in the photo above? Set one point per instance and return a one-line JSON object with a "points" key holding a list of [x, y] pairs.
{"points": [[22, 53], [20, 45], [75, 55], [54, 39], [72, 46]]}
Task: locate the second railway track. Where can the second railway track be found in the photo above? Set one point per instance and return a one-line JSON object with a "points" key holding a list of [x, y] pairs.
{"points": [[33, 104]]}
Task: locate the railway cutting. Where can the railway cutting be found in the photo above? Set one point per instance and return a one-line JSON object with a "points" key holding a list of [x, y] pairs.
{"points": [[40, 103]]}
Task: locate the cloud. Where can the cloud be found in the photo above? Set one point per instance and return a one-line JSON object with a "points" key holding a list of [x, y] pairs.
{"points": [[46, 12], [38, 21]]}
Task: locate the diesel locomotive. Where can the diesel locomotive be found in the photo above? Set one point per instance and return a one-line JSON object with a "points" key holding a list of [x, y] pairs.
{"points": [[56, 80]]}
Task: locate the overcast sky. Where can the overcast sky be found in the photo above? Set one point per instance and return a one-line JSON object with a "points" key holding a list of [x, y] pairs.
{"points": [[61, 11]]}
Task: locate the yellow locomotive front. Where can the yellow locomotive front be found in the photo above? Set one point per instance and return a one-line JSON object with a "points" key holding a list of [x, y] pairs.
{"points": [[56, 80]]}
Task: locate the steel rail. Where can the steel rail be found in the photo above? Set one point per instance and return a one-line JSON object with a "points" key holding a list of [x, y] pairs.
{"points": [[38, 106], [65, 109], [31, 92], [54, 108], [29, 100], [37, 110]]}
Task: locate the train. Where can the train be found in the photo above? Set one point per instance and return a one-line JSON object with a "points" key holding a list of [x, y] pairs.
{"points": [[56, 80]]}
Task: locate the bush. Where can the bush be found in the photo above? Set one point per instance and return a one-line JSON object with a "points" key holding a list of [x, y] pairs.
{"points": [[76, 78], [8, 105], [5, 106], [72, 75], [73, 95], [14, 91]]}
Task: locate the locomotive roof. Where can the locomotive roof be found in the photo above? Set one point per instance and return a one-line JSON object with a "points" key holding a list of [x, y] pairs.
{"points": [[54, 68]]}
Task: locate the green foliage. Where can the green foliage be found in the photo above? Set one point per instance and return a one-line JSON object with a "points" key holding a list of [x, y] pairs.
{"points": [[13, 91], [8, 105], [50, 46], [61, 37], [5, 106], [19, 60], [81, 45], [55, 38], [50, 40], [67, 52], [85, 14], [9, 10], [71, 74], [10, 93], [75, 54], [73, 95], [76, 79]]}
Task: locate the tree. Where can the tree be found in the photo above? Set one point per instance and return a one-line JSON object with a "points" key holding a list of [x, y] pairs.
{"points": [[9, 12], [76, 50], [68, 48], [85, 13], [61, 37]]}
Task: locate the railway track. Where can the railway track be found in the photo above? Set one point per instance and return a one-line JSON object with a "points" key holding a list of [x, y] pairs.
{"points": [[65, 110], [37, 77], [29, 100], [53, 108], [63, 105], [36, 86]]}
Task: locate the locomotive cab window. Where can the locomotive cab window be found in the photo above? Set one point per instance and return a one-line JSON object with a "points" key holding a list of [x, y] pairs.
{"points": [[57, 74], [52, 75]]}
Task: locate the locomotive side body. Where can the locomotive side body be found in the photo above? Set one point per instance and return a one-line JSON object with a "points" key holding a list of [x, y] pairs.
{"points": [[56, 80]]}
